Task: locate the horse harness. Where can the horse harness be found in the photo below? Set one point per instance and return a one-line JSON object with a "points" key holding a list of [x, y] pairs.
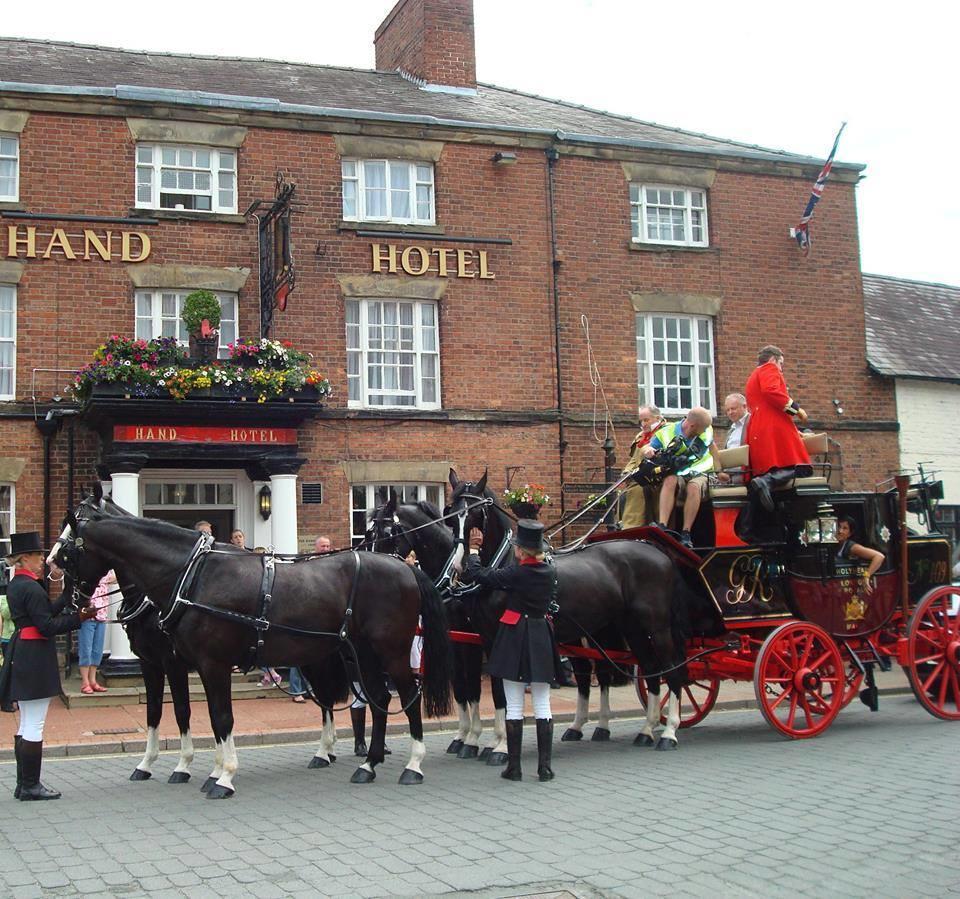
{"points": [[260, 623]]}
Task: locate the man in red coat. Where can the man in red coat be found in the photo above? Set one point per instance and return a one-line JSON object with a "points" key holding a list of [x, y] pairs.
{"points": [[776, 448]]}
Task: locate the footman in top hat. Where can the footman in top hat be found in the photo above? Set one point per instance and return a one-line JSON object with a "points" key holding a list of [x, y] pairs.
{"points": [[524, 651], [30, 675]]}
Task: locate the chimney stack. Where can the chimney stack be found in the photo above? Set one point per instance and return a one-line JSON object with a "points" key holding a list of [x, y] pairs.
{"points": [[431, 40]]}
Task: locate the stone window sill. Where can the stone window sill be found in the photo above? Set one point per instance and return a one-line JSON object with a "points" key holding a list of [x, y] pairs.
{"points": [[637, 247], [392, 227], [190, 215]]}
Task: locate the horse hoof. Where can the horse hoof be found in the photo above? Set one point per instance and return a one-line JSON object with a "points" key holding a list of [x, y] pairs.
{"points": [[484, 753], [219, 792], [207, 784], [317, 762], [643, 740], [601, 735], [455, 747], [665, 745], [179, 777], [497, 759], [571, 736], [410, 777], [139, 774], [363, 776], [468, 752]]}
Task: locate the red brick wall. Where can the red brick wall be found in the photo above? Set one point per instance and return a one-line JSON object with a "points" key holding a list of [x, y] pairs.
{"points": [[496, 336], [431, 39]]}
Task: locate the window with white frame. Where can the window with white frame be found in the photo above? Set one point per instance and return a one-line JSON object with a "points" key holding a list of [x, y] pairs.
{"points": [[9, 167], [8, 340], [393, 354], [669, 215], [388, 190], [6, 519], [198, 178], [364, 498], [675, 361], [158, 315]]}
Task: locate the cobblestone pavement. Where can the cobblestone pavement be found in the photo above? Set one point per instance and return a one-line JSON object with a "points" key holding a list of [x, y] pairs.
{"points": [[868, 809]]}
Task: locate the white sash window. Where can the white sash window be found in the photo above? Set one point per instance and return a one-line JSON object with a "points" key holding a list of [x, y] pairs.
{"points": [[203, 179]]}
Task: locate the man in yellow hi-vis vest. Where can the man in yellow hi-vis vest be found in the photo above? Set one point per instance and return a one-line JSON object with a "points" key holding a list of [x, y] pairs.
{"points": [[688, 448]]}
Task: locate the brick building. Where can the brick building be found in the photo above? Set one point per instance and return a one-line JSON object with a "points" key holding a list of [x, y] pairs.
{"points": [[474, 224]]}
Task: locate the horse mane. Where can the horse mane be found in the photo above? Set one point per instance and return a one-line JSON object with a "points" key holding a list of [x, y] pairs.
{"points": [[428, 508]]}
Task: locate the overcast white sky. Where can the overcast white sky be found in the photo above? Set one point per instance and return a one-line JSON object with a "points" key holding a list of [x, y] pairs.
{"points": [[778, 75]]}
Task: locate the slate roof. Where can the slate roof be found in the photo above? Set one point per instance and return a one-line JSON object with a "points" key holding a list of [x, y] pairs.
{"points": [[358, 92], [913, 328]]}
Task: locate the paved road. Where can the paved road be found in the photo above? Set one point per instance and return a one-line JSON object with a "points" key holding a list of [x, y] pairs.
{"points": [[869, 809]]}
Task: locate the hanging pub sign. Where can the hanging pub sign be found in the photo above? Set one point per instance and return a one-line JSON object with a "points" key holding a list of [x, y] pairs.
{"points": [[31, 242], [277, 273]]}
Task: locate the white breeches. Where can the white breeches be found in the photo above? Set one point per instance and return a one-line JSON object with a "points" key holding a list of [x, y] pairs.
{"points": [[33, 715], [539, 693]]}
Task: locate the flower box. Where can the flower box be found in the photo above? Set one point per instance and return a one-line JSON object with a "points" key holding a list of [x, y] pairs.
{"points": [[158, 368]]}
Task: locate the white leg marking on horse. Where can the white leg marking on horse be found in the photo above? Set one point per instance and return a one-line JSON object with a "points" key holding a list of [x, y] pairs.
{"points": [[500, 730], [464, 727], [673, 718], [367, 767], [653, 714], [583, 712], [217, 762], [186, 752], [604, 719], [328, 737], [151, 752], [417, 751], [476, 725], [230, 763]]}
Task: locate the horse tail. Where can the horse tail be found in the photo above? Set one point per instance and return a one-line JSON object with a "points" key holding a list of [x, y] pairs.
{"points": [[437, 652]]}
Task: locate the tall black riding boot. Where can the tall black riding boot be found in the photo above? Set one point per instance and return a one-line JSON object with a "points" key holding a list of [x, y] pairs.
{"points": [[31, 758], [514, 745], [358, 717], [544, 748], [16, 752]]}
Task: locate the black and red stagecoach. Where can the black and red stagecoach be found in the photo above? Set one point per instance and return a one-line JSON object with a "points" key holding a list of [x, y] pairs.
{"points": [[800, 623]]}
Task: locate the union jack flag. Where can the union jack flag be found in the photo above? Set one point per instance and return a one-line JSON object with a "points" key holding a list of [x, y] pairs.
{"points": [[802, 231]]}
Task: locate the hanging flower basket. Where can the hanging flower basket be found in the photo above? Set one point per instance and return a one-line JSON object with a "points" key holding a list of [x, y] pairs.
{"points": [[525, 510]]}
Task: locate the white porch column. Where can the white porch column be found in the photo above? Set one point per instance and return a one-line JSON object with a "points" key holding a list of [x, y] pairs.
{"points": [[283, 517], [125, 493]]}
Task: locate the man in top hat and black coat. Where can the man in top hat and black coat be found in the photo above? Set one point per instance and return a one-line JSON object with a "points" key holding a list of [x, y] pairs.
{"points": [[30, 675], [524, 651]]}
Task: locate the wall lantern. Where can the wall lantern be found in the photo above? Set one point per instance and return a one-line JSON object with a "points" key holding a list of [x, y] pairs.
{"points": [[504, 157], [264, 501]]}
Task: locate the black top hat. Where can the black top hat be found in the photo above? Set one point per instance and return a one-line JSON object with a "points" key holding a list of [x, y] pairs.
{"points": [[529, 535], [24, 542]]}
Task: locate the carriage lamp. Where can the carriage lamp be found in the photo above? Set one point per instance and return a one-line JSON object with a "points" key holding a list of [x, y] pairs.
{"points": [[264, 501], [823, 528]]}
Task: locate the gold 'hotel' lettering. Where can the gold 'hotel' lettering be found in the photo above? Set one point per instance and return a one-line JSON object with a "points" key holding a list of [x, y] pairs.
{"points": [[253, 435], [418, 260], [22, 241]]}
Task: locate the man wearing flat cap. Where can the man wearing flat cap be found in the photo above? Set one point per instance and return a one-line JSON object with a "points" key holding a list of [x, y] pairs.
{"points": [[30, 676], [524, 651]]}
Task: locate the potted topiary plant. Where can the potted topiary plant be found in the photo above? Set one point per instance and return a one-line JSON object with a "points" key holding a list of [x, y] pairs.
{"points": [[201, 316]]}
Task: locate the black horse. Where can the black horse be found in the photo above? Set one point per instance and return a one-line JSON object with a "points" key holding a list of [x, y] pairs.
{"points": [[159, 663], [328, 615], [625, 586], [398, 528]]}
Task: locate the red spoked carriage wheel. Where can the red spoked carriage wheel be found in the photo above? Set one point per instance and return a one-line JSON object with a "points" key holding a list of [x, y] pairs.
{"points": [[696, 699], [800, 681], [933, 641]]}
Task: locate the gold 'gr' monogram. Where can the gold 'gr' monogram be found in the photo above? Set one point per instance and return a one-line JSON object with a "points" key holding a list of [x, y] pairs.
{"points": [[747, 582]]}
